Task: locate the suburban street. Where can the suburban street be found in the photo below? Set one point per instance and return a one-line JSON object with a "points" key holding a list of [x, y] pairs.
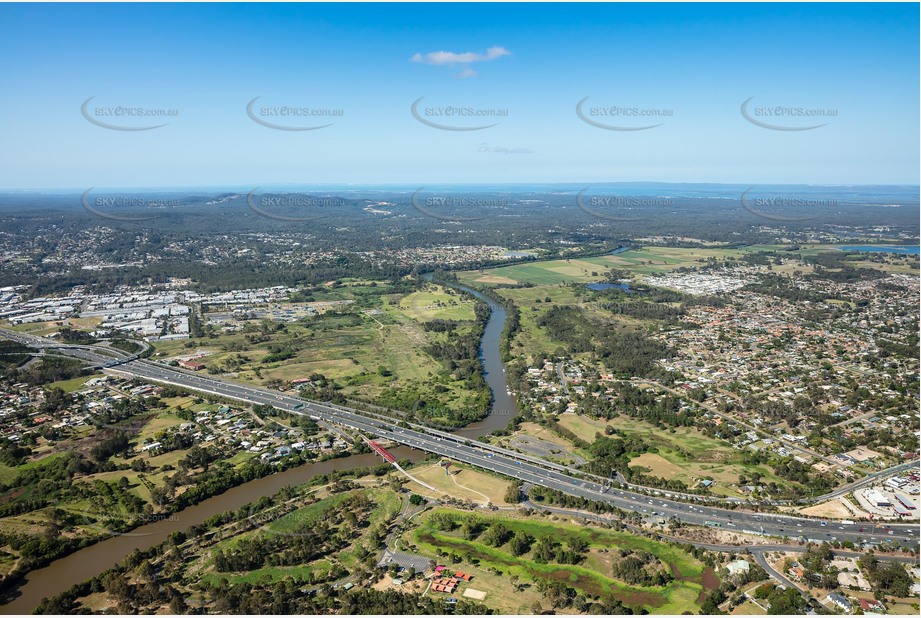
{"points": [[508, 463]]}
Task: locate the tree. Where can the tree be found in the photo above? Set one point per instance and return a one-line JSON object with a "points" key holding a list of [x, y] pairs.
{"points": [[577, 544], [497, 535], [520, 544], [556, 592], [545, 550], [443, 522], [177, 605], [513, 493], [711, 604], [471, 527]]}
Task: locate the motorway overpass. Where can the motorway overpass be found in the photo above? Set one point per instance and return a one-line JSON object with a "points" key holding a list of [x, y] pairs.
{"points": [[512, 464]]}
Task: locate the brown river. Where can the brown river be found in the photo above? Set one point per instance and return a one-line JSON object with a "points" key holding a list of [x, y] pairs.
{"points": [[62, 574]]}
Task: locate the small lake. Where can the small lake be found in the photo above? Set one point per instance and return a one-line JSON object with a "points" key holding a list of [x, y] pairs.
{"points": [[902, 249], [596, 287]]}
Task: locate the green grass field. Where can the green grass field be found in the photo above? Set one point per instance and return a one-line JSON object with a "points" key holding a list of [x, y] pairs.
{"points": [[8, 473], [686, 455], [69, 386], [437, 302], [387, 506], [552, 272], [318, 568], [375, 345], [580, 270], [532, 339], [645, 261], [747, 609], [591, 578]]}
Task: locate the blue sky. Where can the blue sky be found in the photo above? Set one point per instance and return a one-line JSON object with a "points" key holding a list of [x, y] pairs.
{"points": [[696, 64]]}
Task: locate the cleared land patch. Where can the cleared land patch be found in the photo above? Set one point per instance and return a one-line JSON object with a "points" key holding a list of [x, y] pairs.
{"points": [[470, 484]]}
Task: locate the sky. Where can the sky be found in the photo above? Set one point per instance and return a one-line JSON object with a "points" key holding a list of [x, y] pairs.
{"points": [[661, 86]]}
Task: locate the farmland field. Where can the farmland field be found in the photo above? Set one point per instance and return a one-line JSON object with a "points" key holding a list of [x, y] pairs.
{"points": [[644, 261]]}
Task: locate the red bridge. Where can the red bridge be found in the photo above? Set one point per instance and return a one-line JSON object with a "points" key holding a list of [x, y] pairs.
{"points": [[377, 448]]}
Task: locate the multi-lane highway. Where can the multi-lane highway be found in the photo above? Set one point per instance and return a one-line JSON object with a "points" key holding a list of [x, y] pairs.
{"points": [[521, 467], [515, 465], [100, 356], [758, 552]]}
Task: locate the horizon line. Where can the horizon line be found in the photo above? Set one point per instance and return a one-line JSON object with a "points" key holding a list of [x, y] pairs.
{"points": [[402, 185]]}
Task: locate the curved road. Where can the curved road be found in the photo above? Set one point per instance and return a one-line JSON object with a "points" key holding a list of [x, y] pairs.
{"points": [[508, 463]]}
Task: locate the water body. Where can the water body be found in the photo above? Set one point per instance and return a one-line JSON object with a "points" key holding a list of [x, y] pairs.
{"points": [[504, 406], [607, 286], [903, 249], [62, 574]]}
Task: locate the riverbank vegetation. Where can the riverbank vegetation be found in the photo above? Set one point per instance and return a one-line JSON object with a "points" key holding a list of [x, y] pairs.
{"points": [[307, 549], [409, 345]]}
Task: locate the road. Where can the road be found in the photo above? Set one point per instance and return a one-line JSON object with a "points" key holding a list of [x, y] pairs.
{"points": [[762, 561], [869, 479], [855, 419], [562, 374], [515, 465], [101, 356], [728, 417], [757, 551]]}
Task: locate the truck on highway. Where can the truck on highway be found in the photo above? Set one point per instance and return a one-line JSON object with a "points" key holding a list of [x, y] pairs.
{"points": [[848, 522]]}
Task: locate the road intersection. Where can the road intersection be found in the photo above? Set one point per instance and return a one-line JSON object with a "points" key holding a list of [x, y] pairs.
{"points": [[502, 461]]}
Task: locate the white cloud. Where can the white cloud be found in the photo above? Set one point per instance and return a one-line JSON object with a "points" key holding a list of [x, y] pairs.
{"points": [[467, 72], [451, 58]]}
